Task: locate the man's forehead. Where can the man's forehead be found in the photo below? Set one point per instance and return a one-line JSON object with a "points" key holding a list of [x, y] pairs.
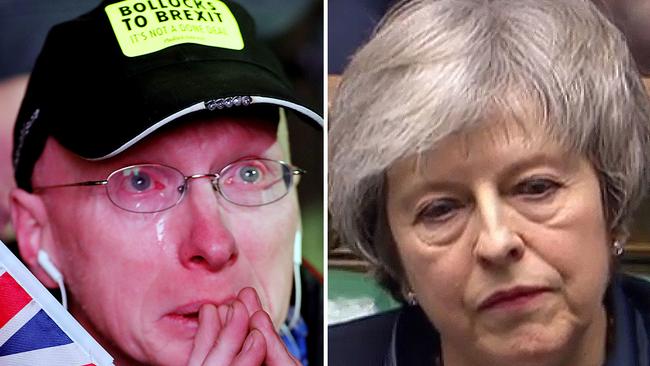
{"points": [[228, 137]]}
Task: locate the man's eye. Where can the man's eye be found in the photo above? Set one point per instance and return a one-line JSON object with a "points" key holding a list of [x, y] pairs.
{"points": [[537, 188], [439, 210], [140, 182], [250, 174]]}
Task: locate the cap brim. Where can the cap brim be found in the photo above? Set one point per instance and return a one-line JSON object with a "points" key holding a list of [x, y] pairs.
{"points": [[161, 96]]}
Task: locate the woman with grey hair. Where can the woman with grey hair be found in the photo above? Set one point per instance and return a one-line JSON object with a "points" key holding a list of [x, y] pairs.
{"points": [[486, 158]]}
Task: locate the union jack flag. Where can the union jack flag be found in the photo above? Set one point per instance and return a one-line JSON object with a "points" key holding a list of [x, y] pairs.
{"points": [[34, 328]]}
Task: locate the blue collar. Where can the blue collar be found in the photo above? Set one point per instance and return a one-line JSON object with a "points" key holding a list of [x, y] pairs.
{"points": [[296, 339], [631, 344]]}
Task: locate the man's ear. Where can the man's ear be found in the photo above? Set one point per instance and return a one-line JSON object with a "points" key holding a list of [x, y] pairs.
{"points": [[31, 224]]}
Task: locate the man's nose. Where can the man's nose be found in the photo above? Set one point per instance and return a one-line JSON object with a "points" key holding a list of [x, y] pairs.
{"points": [[209, 243], [498, 243]]}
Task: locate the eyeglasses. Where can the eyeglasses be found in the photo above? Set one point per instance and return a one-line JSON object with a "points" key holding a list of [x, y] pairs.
{"points": [[148, 188]]}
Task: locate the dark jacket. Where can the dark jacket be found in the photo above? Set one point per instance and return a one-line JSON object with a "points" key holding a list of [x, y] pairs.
{"points": [[405, 337], [312, 314]]}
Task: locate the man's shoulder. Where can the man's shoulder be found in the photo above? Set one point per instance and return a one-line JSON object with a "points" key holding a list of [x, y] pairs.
{"points": [[363, 341]]}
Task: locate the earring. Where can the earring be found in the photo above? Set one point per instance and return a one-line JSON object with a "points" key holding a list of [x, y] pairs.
{"points": [[617, 248], [410, 298]]}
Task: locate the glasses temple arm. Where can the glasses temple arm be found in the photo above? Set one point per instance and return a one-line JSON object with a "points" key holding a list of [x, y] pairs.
{"points": [[298, 171], [78, 184]]}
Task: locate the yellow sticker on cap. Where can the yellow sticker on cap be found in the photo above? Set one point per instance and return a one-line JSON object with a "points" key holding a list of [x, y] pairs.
{"points": [[146, 26]]}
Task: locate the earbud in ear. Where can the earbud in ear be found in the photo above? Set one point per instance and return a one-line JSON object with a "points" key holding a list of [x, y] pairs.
{"points": [[54, 273], [49, 267]]}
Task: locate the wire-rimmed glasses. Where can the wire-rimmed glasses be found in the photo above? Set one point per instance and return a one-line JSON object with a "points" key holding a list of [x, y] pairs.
{"points": [[148, 188]]}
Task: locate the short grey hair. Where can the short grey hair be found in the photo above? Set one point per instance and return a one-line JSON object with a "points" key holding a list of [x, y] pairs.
{"points": [[438, 67]]}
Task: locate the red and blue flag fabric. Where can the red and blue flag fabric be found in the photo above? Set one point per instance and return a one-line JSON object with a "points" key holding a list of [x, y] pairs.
{"points": [[34, 328]]}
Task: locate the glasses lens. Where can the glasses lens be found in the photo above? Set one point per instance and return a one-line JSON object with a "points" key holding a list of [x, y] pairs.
{"points": [[255, 182], [146, 187]]}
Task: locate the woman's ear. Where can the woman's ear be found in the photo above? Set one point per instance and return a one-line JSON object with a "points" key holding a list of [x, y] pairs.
{"points": [[31, 224]]}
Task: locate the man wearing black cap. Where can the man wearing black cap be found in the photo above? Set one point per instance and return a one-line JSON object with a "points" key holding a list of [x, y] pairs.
{"points": [[151, 160]]}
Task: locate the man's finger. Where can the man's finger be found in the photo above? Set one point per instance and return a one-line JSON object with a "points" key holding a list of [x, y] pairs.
{"points": [[206, 335], [249, 297], [276, 352], [253, 351], [231, 337], [223, 312]]}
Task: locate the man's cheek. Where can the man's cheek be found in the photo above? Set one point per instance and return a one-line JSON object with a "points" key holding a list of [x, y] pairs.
{"points": [[267, 251]]}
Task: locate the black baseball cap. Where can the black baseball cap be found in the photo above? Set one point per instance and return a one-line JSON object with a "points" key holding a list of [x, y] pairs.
{"points": [[113, 76]]}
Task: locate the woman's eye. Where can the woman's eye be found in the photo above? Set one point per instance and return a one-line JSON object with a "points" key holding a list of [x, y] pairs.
{"points": [[250, 174], [537, 188], [439, 210]]}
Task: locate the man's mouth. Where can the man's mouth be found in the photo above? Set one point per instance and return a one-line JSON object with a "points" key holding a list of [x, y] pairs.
{"points": [[186, 317], [191, 310], [193, 315], [183, 321]]}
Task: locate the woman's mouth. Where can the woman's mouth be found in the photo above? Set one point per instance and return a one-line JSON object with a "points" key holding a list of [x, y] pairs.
{"points": [[512, 298]]}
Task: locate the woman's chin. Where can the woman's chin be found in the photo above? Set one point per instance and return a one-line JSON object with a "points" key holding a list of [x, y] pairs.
{"points": [[529, 344]]}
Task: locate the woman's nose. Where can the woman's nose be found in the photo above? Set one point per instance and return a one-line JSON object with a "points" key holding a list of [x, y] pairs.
{"points": [[209, 243], [498, 242]]}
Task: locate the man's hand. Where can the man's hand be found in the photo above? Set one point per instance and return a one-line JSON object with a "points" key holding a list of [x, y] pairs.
{"points": [[238, 334]]}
